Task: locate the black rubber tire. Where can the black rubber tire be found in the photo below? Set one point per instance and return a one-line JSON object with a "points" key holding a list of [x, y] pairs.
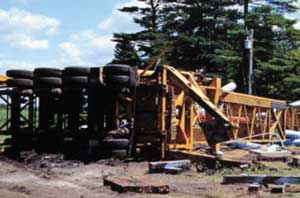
{"points": [[94, 77], [19, 73], [76, 71], [48, 91], [47, 72], [120, 81], [94, 71], [113, 69], [48, 82], [116, 144], [20, 83], [120, 154], [76, 81]]}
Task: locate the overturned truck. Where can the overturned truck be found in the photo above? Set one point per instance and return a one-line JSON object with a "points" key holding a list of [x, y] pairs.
{"points": [[117, 108]]}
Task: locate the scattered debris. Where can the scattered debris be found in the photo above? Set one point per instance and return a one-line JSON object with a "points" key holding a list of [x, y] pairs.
{"points": [[46, 161], [170, 167], [20, 189], [261, 179], [278, 189], [110, 162], [292, 188], [296, 161], [254, 187], [244, 166], [244, 145], [173, 170], [272, 152], [292, 138], [292, 135], [139, 184]]}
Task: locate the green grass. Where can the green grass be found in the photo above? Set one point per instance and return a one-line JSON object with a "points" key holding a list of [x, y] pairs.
{"points": [[2, 114], [269, 168], [3, 138], [3, 117]]}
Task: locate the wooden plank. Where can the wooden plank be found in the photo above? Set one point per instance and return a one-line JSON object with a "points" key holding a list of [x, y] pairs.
{"points": [[181, 154], [261, 179], [271, 155], [139, 184]]}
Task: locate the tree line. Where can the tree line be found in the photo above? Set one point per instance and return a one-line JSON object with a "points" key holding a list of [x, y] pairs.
{"points": [[209, 35]]}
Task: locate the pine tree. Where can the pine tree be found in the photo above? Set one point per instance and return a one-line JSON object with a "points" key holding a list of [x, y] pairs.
{"points": [[207, 34], [211, 34], [125, 53], [201, 33], [275, 38], [291, 80], [150, 41]]}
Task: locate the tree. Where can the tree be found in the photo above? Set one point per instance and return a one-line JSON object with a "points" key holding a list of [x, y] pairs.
{"points": [[125, 53], [283, 72], [207, 34], [150, 40], [211, 34], [291, 81], [201, 33], [275, 38]]}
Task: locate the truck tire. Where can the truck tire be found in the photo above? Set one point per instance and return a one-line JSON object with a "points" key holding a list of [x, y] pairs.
{"points": [[18, 73], [120, 80], [113, 69], [76, 81], [94, 71], [48, 82], [116, 144], [47, 72], [76, 71], [94, 77], [120, 153], [20, 82]]}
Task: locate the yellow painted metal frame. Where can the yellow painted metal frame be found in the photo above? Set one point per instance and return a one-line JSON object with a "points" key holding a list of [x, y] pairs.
{"points": [[252, 117], [292, 117]]}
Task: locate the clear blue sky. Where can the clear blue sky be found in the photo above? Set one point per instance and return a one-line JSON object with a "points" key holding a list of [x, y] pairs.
{"points": [[58, 33]]}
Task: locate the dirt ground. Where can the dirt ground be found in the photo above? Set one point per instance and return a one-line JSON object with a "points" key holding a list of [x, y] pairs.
{"points": [[50, 176]]}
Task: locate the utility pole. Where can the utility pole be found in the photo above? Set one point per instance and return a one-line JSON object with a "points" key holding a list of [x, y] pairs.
{"points": [[246, 10], [249, 46], [243, 68]]}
